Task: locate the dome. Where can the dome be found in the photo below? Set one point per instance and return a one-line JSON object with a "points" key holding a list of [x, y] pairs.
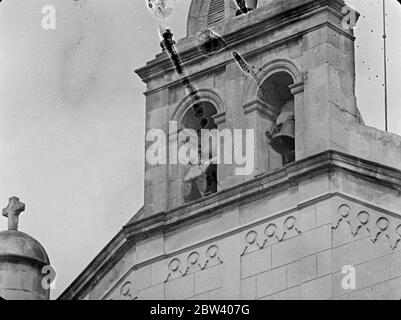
{"points": [[16, 244], [22, 260]]}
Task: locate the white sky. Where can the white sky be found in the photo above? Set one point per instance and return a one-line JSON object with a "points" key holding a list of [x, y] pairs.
{"points": [[72, 113]]}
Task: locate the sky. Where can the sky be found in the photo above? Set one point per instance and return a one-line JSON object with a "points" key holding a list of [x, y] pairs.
{"points": [[72, 113]]}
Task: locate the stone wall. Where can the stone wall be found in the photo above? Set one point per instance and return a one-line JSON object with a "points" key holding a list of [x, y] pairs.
{"points": [[290, 245]]}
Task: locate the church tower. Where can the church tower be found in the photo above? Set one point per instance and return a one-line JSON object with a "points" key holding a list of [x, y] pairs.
{"points": [[300, 56], [322, 199]]}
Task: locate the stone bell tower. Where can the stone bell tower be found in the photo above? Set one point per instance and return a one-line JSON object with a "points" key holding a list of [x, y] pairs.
{"points": [[323, 199], [302, 66]]}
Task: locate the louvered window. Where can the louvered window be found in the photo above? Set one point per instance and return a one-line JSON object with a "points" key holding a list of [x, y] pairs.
{"points": [[216, 12]]}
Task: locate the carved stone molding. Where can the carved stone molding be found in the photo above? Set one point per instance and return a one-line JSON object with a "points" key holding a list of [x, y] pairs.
{"points": [[220, 118], [297, 88], [278, 232], [259, 107], [373, 224], [196, 261], [128, 291]]}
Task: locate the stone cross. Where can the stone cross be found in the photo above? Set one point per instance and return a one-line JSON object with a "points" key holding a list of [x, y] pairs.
{"points": [[12, 212]]}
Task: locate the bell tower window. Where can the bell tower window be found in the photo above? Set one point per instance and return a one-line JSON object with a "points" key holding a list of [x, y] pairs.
{"points": [[276, 93], [201, 176]]}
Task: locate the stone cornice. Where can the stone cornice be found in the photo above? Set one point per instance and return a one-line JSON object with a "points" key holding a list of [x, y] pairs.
{"points": [[265, 23], [297, 88], [262, 186], [220, 118], [260, 107], [221, 65]]}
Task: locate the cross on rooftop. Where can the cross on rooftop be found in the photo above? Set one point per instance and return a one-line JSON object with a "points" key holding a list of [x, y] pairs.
{"points": [[12, 212]]}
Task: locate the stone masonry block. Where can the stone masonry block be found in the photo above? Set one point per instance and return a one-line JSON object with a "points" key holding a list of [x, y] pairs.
{"points": [[358, 252], [142, 278], [346, 45], [152, 293], [367, 274], [181, 288], [176, 94], [323, 213], [388, 290], [340, 258], [289, 294], [268, 206], [158, 272], [395, 265], [324, 263], [301, 271], [149, 248], [202, 296], [306, 218], [318, 289], [156, 175], [156, 100], [256, 262], [248, 288], [157, 118], [233, 72], [208, 279], [19, 295], [271, 282], [18, 280], [314, 187], [373, 272], [218, 294], [314, 38], [306, 244]]}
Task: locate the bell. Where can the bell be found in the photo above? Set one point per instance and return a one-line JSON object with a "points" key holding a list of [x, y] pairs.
{"points": [[283, 142]]}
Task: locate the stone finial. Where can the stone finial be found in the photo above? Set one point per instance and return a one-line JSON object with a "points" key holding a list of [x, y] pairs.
{"points": [[12, 212]]}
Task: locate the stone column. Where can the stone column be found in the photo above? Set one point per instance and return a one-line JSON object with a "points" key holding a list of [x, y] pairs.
{"points": [[297, 90], [223, 171], [177, 188], [261, 117], [175, 175]]}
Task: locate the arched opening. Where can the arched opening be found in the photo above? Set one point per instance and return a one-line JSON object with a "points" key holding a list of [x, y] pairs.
{"points": [[275, 92], [201, 177]]}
